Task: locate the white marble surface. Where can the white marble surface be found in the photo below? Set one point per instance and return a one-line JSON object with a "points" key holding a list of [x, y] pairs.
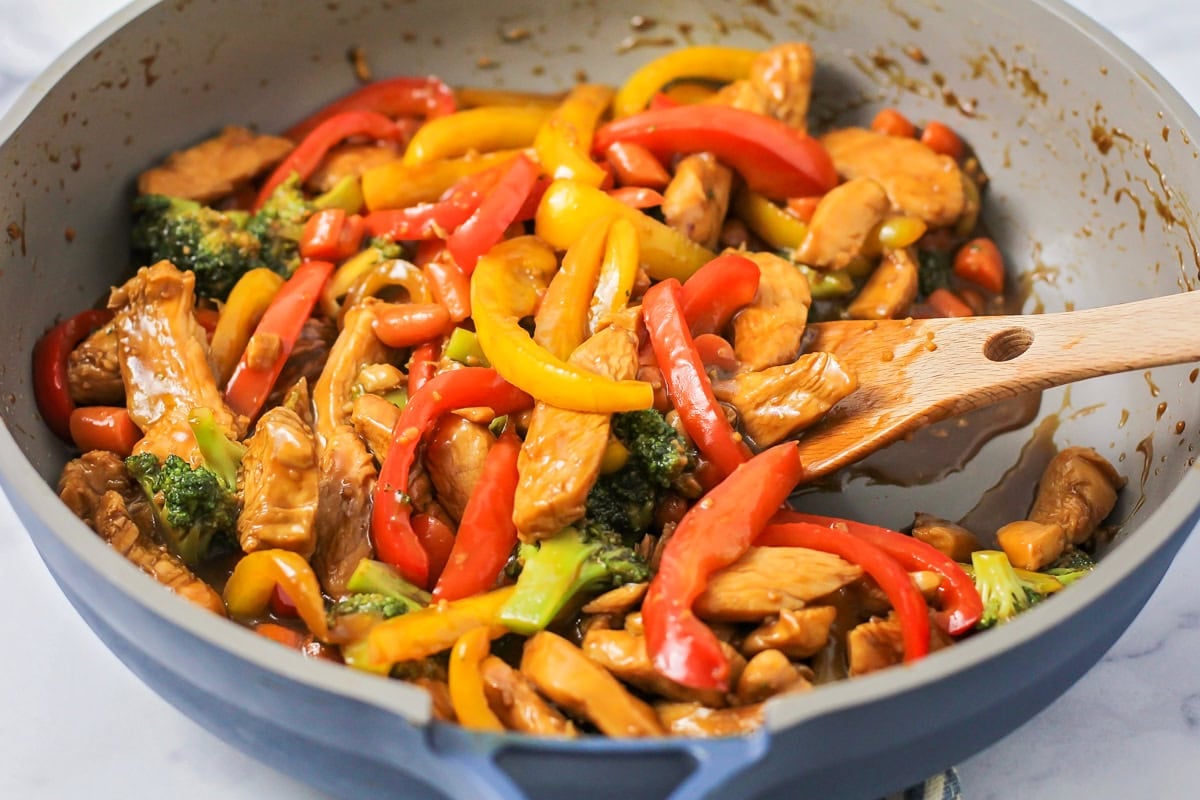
{"points": [[75, 722]]}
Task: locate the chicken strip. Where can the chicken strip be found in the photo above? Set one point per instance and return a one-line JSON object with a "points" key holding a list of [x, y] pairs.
{"points": [[917, 180], [560, 459], [163, 354], [94, 370], [454, 456], [697, 198], [950, 538], [625, 656], [799, 633], [779, 85], [349, 160], [216, 167], [695, 720], [841, 223], [343, 520], [564, 674], [769, 332], [518, 705], [116, 526], [780, 401], [768, 580], [280, 485], [355, 347], [874, 645], [767, 674], [890, 290], [86, 479]]}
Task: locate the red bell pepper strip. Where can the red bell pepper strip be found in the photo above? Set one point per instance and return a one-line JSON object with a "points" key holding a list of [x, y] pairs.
{"points": [[963, 606], [498, 210], [437, 539], [714, 351], [634, 165], [637, 197], [892, 578], [422, 366], [435, 220], [251, 381], [407, 324], [332, 235], [391, 525], [687, 384], [449, 285], [281, 603], [712, 535], [773, 158], [486, 535], [307, 155], [393, 97], [533, 200], [104, 428], [716, 291], [50, 358]]}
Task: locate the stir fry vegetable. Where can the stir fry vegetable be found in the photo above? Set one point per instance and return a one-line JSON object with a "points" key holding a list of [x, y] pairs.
{"points": [[502, 398]]}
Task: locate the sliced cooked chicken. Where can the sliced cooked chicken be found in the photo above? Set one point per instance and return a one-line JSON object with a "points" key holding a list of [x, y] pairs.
{"points": [[163, 354], [770, 331], [86, 479], [783, 76], [356, 346], [779, 401], [874, 645], [94, 370], [625, 656], [693, 719], [344, 509], [950, 538], [518, 705], [917, 180], [799, 633], [216, 167], [307, 358], [768, 580], [564, 674], [280, 485], [890, 290], [349, 160], [454, 456], [620, 600], [560, 459], [841, 223], [767, 674], [116, 526], [697, 198], [374, 419], [1076, 492]]}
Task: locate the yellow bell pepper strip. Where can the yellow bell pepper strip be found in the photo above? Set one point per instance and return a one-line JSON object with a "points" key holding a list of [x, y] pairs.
{"points": [[568, 207], [564, 141], [475, 96], [249, 588], [711, 63], [247, 303], [504, 290], [346, 194], [466, 681], [478, 129], [778, 228], [686, 93], [350, 272], [561, 323], [396, 273], [618, 271], [399, 185], [432, 630]]}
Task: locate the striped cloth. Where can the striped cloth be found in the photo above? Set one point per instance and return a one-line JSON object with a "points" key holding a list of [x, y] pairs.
{"points": [[939, 787]]}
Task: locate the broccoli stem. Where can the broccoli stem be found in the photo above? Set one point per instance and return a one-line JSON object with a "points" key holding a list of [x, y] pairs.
{"points": [[221, 454], [553, 573], [375, 577]]}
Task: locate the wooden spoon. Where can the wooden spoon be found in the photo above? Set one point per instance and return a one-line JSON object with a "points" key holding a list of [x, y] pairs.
{"points": [[914, 372]]}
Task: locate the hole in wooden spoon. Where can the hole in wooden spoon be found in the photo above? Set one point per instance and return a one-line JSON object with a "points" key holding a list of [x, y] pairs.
{"points": [[1009, 344]]}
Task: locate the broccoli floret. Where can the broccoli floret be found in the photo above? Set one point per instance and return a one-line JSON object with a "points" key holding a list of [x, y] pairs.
{"points": [[198, 512], [279, 224], [1071, 567], [623, 500], [215, 246], [653, 443], [388, 250], [933, 270], [1003, 593], [377, 578], [379, 605], [574, 561]]}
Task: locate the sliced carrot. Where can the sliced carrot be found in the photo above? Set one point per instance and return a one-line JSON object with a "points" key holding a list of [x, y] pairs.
{"points": [[287, 637], [891, 122], [979, 261], [104, 428], [940, 139], [947, 304]]}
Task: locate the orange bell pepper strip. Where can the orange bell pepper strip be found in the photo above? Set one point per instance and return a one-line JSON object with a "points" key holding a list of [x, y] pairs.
{"points": [[711, 63], [504, 290], [713, 534], [634, 165], [408, 324], [399, 185], [568, 207], [248, 590], [618, 272], [479, 129], [561, 323], [450, 285], [564, 141], [435, 629], [249, 300], [466, 681]]}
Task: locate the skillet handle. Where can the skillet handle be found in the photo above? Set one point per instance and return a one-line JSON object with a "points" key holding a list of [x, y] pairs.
{"points": [[469, 765], [717, 762]]}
